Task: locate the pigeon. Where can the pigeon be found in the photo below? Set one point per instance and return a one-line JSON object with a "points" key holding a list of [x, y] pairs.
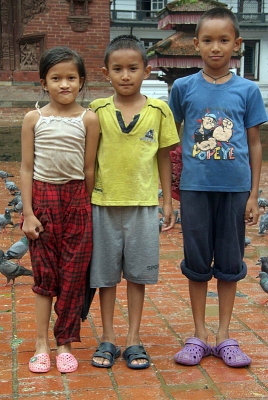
{"points": [[161, 223], [18, 208], [12, 270], [160, 210], [15, 200], [17, 250], [177, 218], [262, 202], [264, 282], [263, 226], [5, 219], [11, 186], [160, 193], [4, 174], [263, 261], [247, 241]]}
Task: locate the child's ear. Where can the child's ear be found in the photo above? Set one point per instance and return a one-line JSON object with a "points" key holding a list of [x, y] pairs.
{"points": [[43, 84], [82, 80], [196, 43], [106, 73], [238, 42], [147, 71]]}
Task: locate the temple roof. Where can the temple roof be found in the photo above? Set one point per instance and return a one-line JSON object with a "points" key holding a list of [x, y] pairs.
{"points": [[184, 12], [178, 44], [178, 51], [191, 5]]}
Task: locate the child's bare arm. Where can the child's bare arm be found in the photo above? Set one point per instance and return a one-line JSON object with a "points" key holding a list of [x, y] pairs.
{"points": [[255, 159], [164, 167], [92, 139], [31, 225]]}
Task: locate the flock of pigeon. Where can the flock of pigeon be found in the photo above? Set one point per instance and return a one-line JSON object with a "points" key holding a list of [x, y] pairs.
{"points": [[12, 270]]}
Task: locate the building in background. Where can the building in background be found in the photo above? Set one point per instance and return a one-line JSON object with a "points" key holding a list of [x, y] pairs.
{"points": [[253, 21], [28, 27], [176, 55], [140, 17]]}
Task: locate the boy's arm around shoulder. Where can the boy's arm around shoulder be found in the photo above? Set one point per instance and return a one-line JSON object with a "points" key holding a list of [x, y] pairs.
{"points": [[255, 159], [92, 126], [31, 225]]}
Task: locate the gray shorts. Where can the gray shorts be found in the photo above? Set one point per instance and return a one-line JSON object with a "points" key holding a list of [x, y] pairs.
{"points": [[125, 241]]}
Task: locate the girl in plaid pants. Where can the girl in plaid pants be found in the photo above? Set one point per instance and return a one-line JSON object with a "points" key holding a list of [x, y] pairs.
{"points": [[59, 144]]}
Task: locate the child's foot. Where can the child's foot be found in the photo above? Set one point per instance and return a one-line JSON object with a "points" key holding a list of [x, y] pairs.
{"points": [[105, 355], [192, 352], [40, 363], [65, 360], [133, 349], [229, 351], [42, 346], [65, 348], [136, 357], [102, 356]]}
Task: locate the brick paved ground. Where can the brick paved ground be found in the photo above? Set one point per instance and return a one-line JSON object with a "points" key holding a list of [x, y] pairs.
{"points": [[166, 324]]}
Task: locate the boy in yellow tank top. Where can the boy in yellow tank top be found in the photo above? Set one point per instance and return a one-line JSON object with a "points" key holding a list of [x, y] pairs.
{"points": [[137, 134]]}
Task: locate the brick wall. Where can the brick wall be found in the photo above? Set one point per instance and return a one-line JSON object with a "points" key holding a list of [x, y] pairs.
{"points": [[54, 24], [19, 90]]}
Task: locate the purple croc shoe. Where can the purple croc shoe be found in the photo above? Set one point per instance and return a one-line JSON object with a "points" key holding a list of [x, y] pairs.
{"points": [[193, 352], [231, 353]]}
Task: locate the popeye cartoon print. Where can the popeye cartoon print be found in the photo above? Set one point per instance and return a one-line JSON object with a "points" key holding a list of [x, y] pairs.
{"points": [[212, 138], [204, 135]]}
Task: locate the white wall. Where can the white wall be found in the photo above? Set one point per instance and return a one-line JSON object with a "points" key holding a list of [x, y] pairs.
{"points": [[156, 89]]}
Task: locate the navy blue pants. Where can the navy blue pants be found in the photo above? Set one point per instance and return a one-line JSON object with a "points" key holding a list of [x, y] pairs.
{"points": [[214, 235]]}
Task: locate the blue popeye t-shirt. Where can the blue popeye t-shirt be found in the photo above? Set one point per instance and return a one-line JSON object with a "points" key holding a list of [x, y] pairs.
{"points": [[216, 116]]}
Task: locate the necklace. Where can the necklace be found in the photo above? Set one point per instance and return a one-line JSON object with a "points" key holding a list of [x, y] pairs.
{"points": [[215, 79]]}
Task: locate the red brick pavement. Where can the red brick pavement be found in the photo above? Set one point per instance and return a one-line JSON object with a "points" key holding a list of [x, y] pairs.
{"points": [[166, 324]]}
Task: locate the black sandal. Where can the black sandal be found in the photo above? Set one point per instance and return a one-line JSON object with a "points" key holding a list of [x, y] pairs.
{"points": [[136, 353], [108, 351]]}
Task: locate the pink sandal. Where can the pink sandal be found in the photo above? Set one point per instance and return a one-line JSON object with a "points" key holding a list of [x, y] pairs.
{"points": [[66, 362], [40, 363], [193, 352], [231, 353]]}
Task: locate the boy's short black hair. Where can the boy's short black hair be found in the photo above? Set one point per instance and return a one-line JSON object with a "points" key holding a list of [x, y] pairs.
{"points": [[218, 12], [125, 42]]}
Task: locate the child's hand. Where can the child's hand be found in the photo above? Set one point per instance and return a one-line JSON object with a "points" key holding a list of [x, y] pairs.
{"points": [[32, 227], [169, 217], [252, 212]]}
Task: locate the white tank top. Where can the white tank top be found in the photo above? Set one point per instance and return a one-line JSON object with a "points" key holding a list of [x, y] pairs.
{"points": [[59, 147]]}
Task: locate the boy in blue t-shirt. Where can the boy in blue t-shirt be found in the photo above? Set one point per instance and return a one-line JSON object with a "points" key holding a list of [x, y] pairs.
{"points": [[222, 158]]}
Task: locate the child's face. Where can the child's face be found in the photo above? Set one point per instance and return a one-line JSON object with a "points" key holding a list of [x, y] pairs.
{"points": [[63, 82], [126, 71], [216, 42]]}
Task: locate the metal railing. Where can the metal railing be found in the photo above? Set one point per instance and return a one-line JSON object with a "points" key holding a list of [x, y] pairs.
{"points": [[138, 15], [252, 17]]}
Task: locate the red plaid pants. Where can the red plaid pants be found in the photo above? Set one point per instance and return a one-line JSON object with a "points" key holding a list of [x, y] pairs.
{"points": [[61, 255]]}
